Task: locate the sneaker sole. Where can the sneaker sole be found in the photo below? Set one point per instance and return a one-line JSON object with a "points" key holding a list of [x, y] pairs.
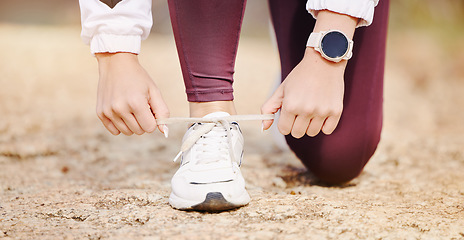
{"points": [[214, 202]]}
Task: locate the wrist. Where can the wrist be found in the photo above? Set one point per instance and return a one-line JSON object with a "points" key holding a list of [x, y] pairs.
{"points": [[332, 36], [327, 20], [109, 62], [312, 56], [110, 58]]}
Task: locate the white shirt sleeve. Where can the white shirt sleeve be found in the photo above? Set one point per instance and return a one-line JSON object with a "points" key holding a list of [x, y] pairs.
{"points": [[118, 29], [362, 9]]}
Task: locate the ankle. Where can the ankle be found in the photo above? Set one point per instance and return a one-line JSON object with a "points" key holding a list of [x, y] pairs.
{"points": [[200, 109]]}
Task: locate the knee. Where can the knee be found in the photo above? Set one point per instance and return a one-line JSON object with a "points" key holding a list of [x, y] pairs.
{"points": [[335, 171], [334, 160]]}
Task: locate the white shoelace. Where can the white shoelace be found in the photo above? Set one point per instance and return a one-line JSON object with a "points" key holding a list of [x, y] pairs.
{"points": [[213, 133]]}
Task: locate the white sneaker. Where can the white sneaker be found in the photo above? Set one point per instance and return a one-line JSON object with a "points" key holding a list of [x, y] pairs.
{"points": [[209, 177]]}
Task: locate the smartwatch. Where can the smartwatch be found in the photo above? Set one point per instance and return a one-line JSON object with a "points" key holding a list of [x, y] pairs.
{"points": [[333, 45]]}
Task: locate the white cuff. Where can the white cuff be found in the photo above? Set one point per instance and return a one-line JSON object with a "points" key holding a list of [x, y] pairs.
{"points": [[112, 43], [362, 9]]}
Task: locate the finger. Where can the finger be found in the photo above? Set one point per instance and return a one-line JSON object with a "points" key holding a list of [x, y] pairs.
{"points": [[267, 124], [132, 124], [158, 107], [105, 120], [144, 116], [108, 125], [330, 124], [286, 121], [272, 105], [300, 125], [121, 116], [119, 124], [315, 126]]}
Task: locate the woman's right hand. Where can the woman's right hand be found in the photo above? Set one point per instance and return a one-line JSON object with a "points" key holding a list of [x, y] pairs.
{"points": [[128, 100]]}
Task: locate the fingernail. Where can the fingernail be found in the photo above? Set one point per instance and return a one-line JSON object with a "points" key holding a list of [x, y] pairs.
{"points": [[262, 127], [166, 131]]}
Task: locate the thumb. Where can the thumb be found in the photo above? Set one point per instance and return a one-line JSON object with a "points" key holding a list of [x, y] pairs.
{"points": [[158, 107], [272, 105]]}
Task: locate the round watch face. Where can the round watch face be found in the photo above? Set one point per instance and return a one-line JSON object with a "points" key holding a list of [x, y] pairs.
{"points": [[334, 44]]}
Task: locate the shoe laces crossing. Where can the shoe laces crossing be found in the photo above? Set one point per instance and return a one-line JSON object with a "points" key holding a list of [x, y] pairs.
{"points": [[213, 142], [212, 135]]}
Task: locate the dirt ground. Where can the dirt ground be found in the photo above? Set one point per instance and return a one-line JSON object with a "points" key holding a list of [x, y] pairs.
{"points": [[62, 176]]}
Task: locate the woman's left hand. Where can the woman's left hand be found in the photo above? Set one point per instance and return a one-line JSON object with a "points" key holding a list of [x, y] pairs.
{"points": [[310, 98]]}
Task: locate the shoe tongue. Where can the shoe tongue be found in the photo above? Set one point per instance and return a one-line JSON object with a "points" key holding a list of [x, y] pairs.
{"points": [[217, 114]]}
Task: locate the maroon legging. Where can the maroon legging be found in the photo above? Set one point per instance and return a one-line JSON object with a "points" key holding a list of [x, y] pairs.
{"points": [[207, 34]]}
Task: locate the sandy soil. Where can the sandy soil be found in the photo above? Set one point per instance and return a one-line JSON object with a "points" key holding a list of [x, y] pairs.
{"points": [[63, 176]]}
